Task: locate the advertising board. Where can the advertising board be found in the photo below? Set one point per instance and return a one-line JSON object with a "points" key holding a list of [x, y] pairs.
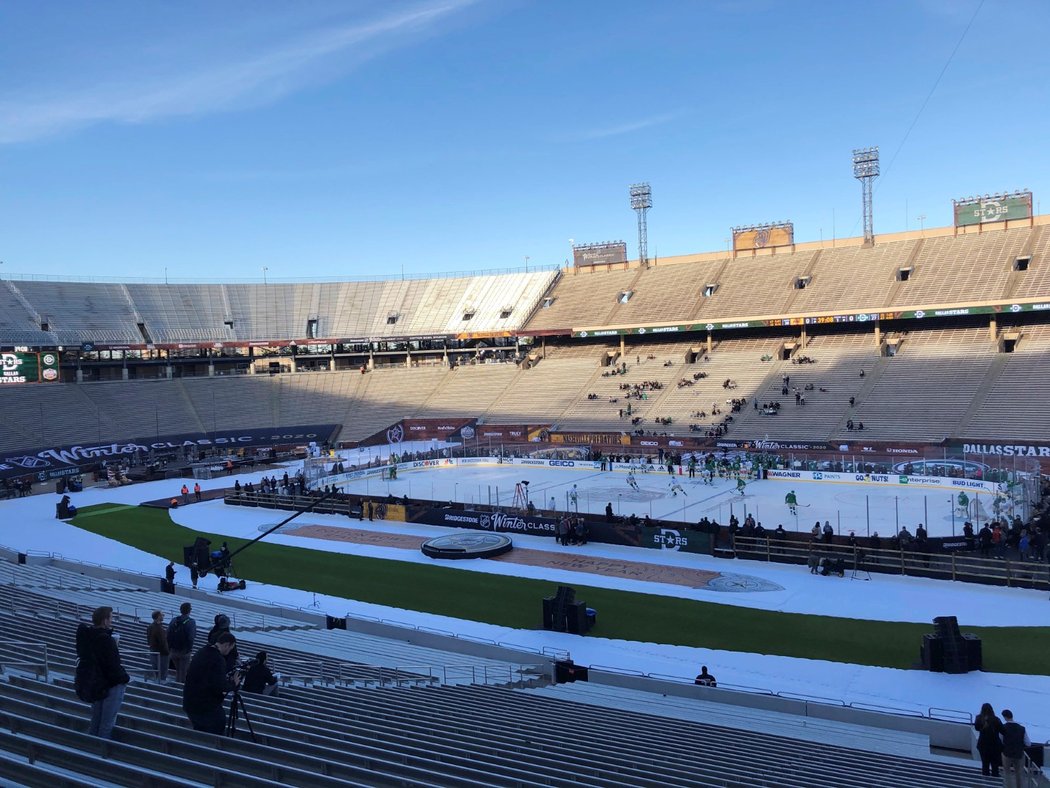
{"points": [[608, 253], [994, 208], [18, 368], [764, 236]]}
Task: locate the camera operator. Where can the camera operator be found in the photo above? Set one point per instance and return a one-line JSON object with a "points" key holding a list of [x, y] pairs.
{"points": [[207, 682], [259, 679]]}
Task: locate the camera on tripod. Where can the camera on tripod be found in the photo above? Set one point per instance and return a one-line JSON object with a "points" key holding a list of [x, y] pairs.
{"points": [[240, 670]]}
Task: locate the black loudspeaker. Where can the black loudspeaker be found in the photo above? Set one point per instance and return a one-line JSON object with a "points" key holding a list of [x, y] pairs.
{"points": [[189, 555], [932, 653], [576, 620], [548, 613], [331, 622], [167, 586], [974, 652], [21, 558]]}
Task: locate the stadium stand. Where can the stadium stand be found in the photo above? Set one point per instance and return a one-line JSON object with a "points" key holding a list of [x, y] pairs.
{"points": [[361, 728], [553, 383]]}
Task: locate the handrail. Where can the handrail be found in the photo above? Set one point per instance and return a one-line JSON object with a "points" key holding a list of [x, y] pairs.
{"points": [[276, 279]]}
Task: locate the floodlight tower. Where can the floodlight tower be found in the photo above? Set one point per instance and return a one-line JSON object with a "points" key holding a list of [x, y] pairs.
{"points": [[865, 170], [641, 202]]}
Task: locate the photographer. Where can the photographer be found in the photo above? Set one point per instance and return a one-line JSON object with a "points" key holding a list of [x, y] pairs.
{"points": [[207, 682], [259, 679]]}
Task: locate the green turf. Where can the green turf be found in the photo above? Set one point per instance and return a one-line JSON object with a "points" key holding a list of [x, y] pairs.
{"points": [[515, 602]]}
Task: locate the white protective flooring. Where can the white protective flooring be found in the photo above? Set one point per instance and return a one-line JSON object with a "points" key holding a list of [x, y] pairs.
{"points": [[29, 524]]}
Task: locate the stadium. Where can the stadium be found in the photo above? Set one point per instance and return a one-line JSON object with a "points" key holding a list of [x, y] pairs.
{"points": [[478, 383], [770, 515]]}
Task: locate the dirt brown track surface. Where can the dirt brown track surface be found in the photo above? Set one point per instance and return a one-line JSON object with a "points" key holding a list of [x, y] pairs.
{"points": [[567, 560]]}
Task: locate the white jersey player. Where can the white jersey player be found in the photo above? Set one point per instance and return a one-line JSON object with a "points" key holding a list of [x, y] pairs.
{"points": [[631, 482]]}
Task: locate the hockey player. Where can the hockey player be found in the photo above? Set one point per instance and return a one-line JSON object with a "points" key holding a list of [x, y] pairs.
{"points": [[631, 482], [740, 485], [574, 499], [792, 502], [393, 473], [692, 467], [964, 502], [677, 488], [709, 476]]}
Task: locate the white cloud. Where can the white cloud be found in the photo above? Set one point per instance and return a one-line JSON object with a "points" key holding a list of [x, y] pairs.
{"points": [[628, 128], [250, 78]]}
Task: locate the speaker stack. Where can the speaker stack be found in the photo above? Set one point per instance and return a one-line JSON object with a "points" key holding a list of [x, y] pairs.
{"points": [[949, 651], [562, 613]]}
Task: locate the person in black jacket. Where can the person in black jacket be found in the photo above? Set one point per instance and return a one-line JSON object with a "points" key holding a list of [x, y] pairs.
{"points": [[109, 676], [222, 624], [260, 679], [989, 728], [207, 682], [1015, 739]]}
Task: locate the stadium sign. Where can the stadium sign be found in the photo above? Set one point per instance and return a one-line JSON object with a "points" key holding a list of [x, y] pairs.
{"points": [[992, 208], [1007, 449], [675, 539], [959, 310], [54, 461], [607, 253], [763, 236], [18, 368]]}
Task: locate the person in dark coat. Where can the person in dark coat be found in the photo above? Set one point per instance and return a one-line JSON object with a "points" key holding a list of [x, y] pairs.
{"points": [[181, 645], [207, 682], [260, 679], [222, 625], [989, 744], [1015, 739], [110, 678], [157, 642]]}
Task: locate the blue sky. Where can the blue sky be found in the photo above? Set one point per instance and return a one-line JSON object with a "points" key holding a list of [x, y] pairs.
{"points": [[347, 139]]}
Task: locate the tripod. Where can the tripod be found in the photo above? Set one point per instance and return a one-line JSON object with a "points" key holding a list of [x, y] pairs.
{"points": [[858, 568], [237, 705]]}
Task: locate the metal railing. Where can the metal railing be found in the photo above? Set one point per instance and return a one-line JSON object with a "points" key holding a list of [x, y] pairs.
{"points": [[162, 280], [904, 561], [930, 712]]}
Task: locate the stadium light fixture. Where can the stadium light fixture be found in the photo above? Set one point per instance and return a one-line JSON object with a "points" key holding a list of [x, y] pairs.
{"points": [[866, 169], [641, 201]]}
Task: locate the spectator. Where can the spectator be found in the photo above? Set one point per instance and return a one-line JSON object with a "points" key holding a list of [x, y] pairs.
{"points": [[989, 728], [705, 679], [157, 642], [182, 632], [609, 518], [207, 684], [169, 574], [1015, 739], [222, 626], [105, 677], [259, 679]]}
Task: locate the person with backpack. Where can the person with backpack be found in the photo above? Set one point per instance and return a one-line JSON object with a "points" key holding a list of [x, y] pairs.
{"points": [[100, 677], [157, 642], [182, 632]]}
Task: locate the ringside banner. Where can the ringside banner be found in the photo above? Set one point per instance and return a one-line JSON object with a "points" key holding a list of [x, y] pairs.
{"points": [[63, 460], [884, 479]]}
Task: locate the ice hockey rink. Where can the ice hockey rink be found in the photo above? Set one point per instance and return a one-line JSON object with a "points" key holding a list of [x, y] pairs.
{"points": [[863, 508]]}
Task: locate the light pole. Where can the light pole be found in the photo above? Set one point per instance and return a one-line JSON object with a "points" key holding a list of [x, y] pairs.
{"points": [[526, 263], [264, 270], [922, 223]]}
